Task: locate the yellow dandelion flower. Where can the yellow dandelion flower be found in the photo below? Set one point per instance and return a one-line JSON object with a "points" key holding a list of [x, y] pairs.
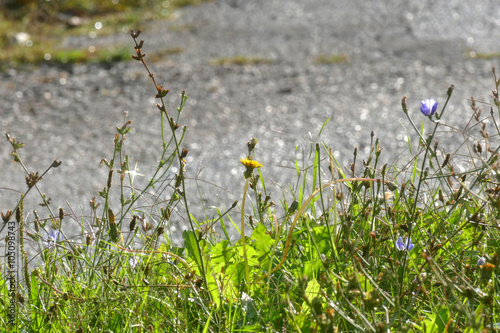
{"points": [[250, 165]]}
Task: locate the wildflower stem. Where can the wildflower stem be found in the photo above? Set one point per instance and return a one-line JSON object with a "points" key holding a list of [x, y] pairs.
{"points": [[415, 128], [421, 180], [247, 275], [161, 94]]}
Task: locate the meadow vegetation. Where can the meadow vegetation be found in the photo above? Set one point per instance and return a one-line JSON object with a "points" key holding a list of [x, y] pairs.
{"points": [[411, 247], [33, 32]]}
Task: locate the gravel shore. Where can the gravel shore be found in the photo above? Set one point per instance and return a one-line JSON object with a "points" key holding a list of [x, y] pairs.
{"points": [[415, 48]]}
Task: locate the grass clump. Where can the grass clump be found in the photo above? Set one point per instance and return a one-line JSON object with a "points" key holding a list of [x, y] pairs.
{"points": [[411, 247], [331, 59], [91, 56], [241, 60], [482, 55]]}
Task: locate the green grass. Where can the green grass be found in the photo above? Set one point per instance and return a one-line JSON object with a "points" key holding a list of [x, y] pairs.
{"points": [[322, 257], [47, 31], [331, 59], [241, 60], [482, 55]]}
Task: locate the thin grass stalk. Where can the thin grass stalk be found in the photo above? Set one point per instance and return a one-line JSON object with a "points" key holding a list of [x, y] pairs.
{"points": [[325, 214]]}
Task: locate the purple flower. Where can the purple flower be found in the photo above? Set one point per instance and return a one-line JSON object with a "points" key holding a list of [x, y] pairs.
{"points": [[404, 245], [481, 261], [428, 107], [53, 237]]}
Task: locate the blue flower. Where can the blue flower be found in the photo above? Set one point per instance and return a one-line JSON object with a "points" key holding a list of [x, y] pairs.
{"points": [[481, 261], [428, 107], [404, 245], [53, 237]]}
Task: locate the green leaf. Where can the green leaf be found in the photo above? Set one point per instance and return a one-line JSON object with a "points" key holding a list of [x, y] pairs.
{"points": [[207, 324], [312, 291], [252, 255], [322, 239], [191, 246], [35, 298], [123, 130], [221, 255], [437, 321], [103, 193], [260, 240]]}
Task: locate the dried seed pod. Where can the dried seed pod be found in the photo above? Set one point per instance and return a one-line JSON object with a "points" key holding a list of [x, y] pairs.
{"points": [[404, 105], [132, 224], [7, 216], [61, 213], [110, 178], [446, 160]]}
